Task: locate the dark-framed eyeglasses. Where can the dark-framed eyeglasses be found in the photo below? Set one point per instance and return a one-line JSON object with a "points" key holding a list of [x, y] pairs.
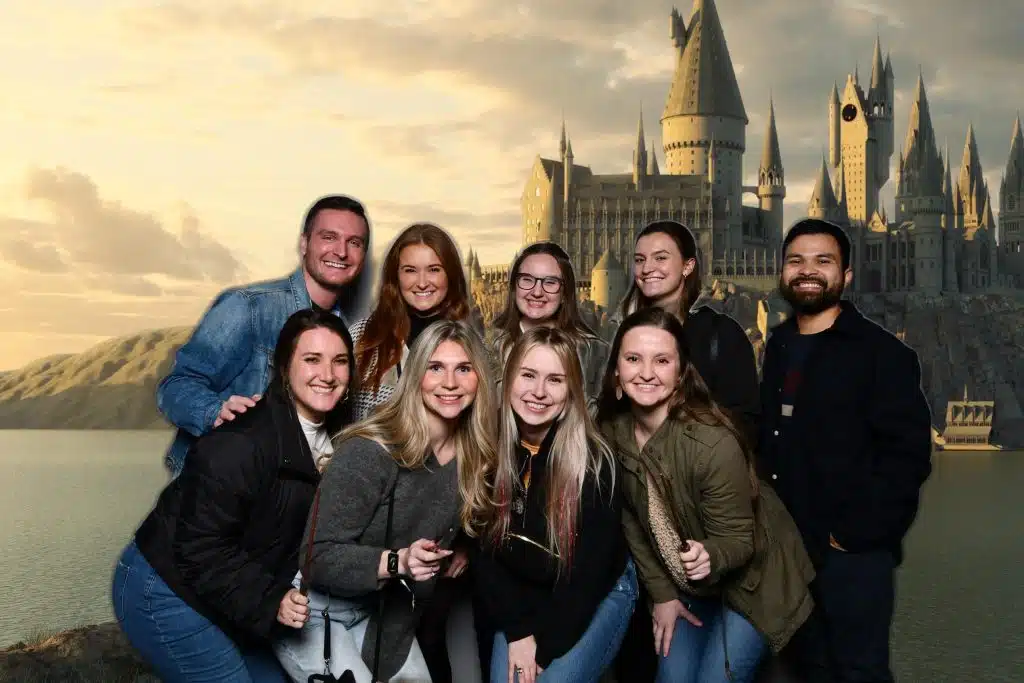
{"points": [[551, 285]]}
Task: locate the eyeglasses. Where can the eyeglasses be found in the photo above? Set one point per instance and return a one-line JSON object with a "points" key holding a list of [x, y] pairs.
{"points": [[551, 285]]}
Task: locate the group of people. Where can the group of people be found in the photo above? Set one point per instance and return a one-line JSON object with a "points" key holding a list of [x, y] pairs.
{"points": [[344, 474]]}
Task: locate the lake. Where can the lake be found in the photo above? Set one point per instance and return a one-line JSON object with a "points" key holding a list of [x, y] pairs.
{"points": [[71, 500]]}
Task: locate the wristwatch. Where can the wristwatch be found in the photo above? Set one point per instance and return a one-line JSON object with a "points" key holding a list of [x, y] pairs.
{"points": [[393, 563]]}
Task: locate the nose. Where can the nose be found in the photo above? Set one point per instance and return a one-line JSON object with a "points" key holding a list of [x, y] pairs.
{"points": [[449, 379], [422, 281], [539, 389], [647, 370]]}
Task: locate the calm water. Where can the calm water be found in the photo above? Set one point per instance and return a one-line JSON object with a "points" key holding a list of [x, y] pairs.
{"points": [[70, 500]]}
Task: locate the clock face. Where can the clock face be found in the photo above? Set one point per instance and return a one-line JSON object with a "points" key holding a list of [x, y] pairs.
{"points": [[849, 112]]}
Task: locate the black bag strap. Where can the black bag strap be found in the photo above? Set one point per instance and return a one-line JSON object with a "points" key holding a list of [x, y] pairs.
{"points": [[380, 602]]}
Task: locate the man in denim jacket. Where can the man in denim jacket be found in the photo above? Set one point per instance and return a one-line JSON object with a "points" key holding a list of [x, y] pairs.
{"points": [[226, 364]]}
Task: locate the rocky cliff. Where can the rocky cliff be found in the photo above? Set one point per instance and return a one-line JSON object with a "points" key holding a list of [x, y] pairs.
{"points": [[90, 654]]}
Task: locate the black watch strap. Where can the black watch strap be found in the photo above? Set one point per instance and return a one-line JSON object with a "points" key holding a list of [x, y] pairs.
{"points": [[393, 563]]}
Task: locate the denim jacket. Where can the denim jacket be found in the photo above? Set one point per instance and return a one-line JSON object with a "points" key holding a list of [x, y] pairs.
{"points": [[229, 353]]}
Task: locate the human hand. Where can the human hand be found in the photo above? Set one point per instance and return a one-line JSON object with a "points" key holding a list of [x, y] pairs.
{"points": [[294, 609], [664, 619], [522, 659], [423, 559], [458, 564], [696, 560], [234, 404]]}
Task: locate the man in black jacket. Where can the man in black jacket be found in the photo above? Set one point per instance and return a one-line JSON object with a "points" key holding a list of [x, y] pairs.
{"points": [[846, 442]]}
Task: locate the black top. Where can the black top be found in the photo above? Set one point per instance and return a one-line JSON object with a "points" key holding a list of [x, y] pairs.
{"points": [[519, 583], [723, 355], [225, 534], [850, 458], [417, 324]]}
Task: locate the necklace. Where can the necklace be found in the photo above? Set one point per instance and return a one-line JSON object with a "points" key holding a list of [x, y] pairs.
{"points": [[519, 503]]}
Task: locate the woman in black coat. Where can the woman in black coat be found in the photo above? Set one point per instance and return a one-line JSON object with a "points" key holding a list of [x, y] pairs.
{"points": [[206, 582], [667, 274]]}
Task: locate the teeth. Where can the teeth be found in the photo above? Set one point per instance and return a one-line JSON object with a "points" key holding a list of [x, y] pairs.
{"points": [[336, 264], [423, 294], [323, 390], [535, 406]]}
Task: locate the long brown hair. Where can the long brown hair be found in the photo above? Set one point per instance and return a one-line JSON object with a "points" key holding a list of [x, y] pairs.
{"points": [[691, 401], [687, 245], [567, 318], [380, 346], [577, 451]]}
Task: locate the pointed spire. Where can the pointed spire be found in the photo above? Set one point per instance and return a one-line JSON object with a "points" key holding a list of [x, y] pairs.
{"points": [[564, 139], [919, 131], [1014, 175], [877, 68], [823, 199], [652, 162], [771, 158], [704, 82], [986, 215]]}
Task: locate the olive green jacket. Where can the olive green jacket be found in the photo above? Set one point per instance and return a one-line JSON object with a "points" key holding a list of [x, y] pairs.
{"points": [[759, 565]]}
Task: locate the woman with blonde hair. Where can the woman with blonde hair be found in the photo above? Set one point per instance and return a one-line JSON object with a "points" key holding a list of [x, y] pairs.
{"points": [[542, 292], [398, 488], [553, 571], [421, 282]]}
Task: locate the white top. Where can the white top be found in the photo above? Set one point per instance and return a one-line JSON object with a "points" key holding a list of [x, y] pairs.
{"points": [[317, 438]]}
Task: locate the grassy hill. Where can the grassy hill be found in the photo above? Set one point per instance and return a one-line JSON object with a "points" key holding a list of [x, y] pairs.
{"points": [[109, 386]]}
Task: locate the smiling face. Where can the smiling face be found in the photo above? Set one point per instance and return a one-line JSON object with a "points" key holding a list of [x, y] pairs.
{"points": [[421, 277], [539, 389], [813, 279], [318, 373], [648, 367], [334, 250], [449, 385], [659, 268], [536, 304]]}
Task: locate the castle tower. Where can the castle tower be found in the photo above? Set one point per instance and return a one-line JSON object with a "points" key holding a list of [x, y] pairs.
{"points": [[607, 281], [951, 236], [971, 184], [823, 204], [640, 156], [864, 139], [1011, 195], [771, 185], [704, 103], [652, 162]]}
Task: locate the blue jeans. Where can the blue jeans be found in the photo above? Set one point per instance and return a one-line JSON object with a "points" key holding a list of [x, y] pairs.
{"points": [[179, 644], [596, 648], [697, 654]]}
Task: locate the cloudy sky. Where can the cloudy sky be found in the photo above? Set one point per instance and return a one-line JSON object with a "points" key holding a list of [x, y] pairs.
{"points": [[154, 153]]}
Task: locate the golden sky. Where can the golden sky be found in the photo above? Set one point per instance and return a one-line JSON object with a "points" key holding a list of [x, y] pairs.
{"points": [[154, 153]]}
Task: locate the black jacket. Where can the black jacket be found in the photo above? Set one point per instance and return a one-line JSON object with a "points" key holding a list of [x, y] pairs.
{"points": [[857, 450], [225, 534], [518, 583], [724, 357]]}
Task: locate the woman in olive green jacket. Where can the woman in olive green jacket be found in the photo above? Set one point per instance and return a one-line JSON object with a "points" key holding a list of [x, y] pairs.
{"points": [[719, 555]]}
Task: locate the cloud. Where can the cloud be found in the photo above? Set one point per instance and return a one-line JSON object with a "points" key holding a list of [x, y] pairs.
{"points": [[102, 241], [521, 65]]}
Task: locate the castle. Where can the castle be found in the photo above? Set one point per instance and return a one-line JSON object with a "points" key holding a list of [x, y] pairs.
{"points": [[943, 238]]}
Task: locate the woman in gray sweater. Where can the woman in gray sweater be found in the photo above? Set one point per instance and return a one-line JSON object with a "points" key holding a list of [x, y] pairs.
{"points": [[418, 465]]}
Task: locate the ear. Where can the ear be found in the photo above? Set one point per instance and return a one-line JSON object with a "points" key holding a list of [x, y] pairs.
{"points": [[689, 265], [303, 245], [848, 277]]}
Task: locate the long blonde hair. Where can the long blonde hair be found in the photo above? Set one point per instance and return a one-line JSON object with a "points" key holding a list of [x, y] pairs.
{"points": [[400, 424], [578, 450]]}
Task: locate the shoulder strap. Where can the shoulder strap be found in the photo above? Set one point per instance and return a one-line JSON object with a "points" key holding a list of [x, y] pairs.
{"points": [[380, 602]]}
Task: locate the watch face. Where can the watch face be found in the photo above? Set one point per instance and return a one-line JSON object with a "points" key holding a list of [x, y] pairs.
{"points": [[849, 112], [392, 562]]}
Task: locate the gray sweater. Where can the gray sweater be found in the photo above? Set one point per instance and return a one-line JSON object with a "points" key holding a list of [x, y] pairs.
{"points": [[350, 528]]}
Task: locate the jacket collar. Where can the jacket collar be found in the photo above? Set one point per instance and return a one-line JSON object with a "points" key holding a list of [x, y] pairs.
{"points": [[850, 321], [293, 448], [297, 284]]}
